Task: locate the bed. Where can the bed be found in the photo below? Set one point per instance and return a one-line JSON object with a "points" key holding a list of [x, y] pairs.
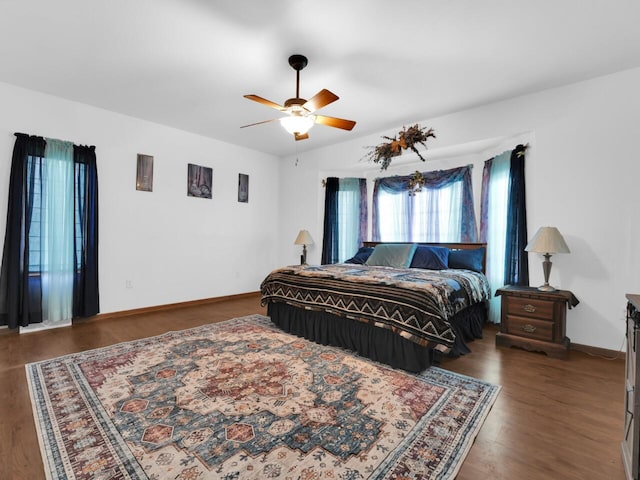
{"points": [[404, 316]]}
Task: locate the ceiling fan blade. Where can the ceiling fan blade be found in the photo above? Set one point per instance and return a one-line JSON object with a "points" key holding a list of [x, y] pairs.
{"points": [[321, 99], [335, 122], [302, 136], [259, 123], [266, 102]]}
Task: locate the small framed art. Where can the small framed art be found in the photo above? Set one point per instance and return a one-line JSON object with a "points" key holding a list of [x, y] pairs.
{"points": [[144, 173], [199, 181], [243, 188]]}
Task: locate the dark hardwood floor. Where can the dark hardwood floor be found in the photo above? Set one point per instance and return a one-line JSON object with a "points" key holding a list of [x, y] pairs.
{"points": [[554, 419]]}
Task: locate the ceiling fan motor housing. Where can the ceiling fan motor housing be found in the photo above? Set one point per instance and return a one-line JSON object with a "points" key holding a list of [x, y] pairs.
{"points": [[298, 62], [293, 102]]}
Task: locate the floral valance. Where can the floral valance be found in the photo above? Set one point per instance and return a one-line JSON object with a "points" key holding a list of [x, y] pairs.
{"points": [[433, 179]]}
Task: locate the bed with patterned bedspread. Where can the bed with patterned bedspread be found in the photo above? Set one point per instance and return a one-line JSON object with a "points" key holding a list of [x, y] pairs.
{"points": [[399, 316]]}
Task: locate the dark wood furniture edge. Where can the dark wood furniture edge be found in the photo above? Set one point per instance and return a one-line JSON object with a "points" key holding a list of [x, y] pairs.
{"points": [[555, 350], [532, 292], [630, 446], [452, 245]]}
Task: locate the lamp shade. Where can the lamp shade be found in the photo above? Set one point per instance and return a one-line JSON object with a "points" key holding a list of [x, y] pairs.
{"points": [[303, 238], [299, 124], [547, 240]]}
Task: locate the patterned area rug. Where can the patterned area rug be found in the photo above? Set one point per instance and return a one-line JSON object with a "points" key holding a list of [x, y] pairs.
{"points": [[242, 399]]}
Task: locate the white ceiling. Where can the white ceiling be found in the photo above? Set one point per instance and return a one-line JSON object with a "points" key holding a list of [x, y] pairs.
{"points": [[188, 63]]}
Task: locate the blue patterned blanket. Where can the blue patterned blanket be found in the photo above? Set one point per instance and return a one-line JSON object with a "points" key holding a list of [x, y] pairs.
{"points": [[417, 304]]}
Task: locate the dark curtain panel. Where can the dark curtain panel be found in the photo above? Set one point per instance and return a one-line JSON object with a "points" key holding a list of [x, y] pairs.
{"points": [[20, 294], [86, 301], [468, 228], [517, 261], [375, 227], [330, 237], [364, 214], [484, 199]]}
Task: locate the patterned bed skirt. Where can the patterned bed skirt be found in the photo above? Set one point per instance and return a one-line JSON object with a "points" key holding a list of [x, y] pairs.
{"points": [[376, 343]]}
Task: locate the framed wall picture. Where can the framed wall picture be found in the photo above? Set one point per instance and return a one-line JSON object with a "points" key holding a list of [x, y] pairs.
{"points": [[144, 173], [199, 181], [243, 188]]}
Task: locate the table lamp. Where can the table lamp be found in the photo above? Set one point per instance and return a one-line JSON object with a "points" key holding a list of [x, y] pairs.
{"points": [[303, 239], [547, 240]]}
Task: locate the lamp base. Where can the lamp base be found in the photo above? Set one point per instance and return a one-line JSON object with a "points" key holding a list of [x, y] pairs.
{"points": [[546, 268], [547, 288]]}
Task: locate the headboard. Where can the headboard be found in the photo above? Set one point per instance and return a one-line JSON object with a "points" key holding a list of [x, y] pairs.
{"points": [[451, 245]]}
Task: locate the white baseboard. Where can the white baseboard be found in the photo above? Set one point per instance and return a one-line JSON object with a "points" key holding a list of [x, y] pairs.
{"points": [[37, 327]]}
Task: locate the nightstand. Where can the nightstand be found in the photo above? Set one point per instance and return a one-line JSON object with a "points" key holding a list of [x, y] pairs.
{"points": [[535, 320]]}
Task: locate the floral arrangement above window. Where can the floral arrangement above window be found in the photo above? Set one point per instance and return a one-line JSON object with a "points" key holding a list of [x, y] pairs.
{"points": [[407, 138], [416, 182]]}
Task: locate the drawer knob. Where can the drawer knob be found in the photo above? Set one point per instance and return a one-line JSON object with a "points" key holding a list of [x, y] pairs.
{"points": [[529, 308], [529, 328]]}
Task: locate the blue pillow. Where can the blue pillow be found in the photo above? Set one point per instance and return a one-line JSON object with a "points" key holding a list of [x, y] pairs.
{"points": [[397, 255], [361, 256], [467, 259], [431, 258]]}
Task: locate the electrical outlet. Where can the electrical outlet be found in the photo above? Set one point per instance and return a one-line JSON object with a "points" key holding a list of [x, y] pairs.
{"points": [[128, 284]]}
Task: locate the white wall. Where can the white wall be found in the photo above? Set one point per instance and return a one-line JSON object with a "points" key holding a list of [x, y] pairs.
{"points": [[172, 248], [582, 167], [581, 172]]}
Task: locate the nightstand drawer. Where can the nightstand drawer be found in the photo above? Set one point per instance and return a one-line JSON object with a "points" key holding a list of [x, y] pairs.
{"points": [[530, 328], [529, 307]]}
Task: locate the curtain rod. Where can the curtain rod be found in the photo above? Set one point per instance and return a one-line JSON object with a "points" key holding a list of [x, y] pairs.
{"points": [[45, 138]]}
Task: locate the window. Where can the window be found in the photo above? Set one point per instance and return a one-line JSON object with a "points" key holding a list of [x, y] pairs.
{"points": [[441, 212], [432, 215], [49, 268], [34, 170], [38, 238], [348, 218]]}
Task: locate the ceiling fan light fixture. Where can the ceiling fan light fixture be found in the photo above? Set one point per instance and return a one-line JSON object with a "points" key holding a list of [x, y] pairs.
{"points": [[301, 113], [299, 124]]}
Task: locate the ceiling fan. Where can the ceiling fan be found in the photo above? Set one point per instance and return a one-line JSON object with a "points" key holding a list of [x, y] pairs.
{"points": [[300, 112]]}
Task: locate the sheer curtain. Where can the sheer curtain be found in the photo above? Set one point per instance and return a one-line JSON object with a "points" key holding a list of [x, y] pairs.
{"points": [[57, 232], [437, 214], [349, 218], [394, 217], [496, 171], [442, 211]]}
